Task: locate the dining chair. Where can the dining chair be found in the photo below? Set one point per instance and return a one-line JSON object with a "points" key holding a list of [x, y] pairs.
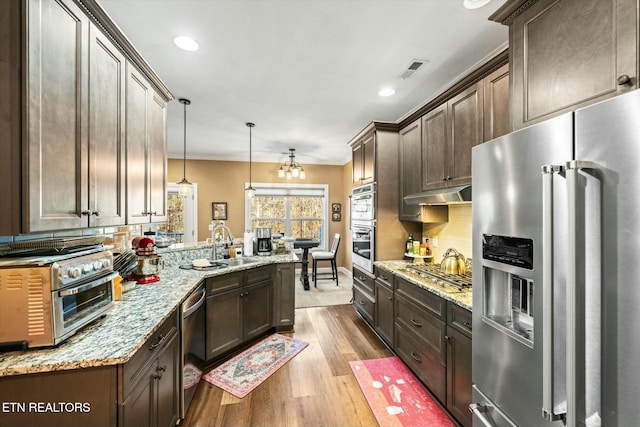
{"points": [[326, 256]]}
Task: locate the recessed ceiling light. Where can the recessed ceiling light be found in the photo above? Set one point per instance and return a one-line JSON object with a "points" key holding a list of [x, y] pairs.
{"points": [[386, 91], [186, 43], [475, 4]]}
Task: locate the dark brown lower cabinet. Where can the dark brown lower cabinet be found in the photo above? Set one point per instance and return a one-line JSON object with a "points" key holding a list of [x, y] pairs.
{"points": [[284, 297], [384, 308], [459, 395], [239, 308], [153, 401], [420, 343]]}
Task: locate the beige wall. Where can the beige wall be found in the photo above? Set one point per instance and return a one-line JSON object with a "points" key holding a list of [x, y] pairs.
{"points": [[224, 181], [453, 234], [347, 181]]}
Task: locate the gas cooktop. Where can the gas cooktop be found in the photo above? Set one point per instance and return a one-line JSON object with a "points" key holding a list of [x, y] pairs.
{"points": [[432, 271]]}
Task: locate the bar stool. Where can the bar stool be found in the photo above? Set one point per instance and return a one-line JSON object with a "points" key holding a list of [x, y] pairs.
{"points": [[326, 256]]}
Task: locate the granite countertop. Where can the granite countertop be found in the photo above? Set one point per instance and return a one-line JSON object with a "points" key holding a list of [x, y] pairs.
{"points": [[115, 338], [463, 298]]}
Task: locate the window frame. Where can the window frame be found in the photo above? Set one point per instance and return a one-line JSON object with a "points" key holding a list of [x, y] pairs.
{"points": [[288, 190]]}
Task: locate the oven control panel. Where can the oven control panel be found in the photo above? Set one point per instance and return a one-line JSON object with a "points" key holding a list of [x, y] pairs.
{"points": [[81, 268]]}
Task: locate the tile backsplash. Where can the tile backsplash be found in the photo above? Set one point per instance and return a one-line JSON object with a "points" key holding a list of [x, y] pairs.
{"points": [[453, 234]]}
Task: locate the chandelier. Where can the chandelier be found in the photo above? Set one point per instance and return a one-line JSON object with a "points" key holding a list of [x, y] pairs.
{"points": [[291, 169]]}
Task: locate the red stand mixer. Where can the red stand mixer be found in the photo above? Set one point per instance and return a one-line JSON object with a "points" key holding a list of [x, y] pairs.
{"points": [[149, 263]]}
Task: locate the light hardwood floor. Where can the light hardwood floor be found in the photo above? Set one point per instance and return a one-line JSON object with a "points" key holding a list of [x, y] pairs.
{"points": [[315, 388]]}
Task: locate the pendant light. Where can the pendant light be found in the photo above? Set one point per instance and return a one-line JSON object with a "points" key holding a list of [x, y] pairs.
{"points": [[185, 185], [250, 191], [291, 169]]}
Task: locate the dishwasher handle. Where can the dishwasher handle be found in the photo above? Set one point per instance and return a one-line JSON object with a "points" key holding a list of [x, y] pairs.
{"points": [[186, 312]]}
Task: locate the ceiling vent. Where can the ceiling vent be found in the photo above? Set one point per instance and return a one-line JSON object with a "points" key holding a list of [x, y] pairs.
{"points": [[412, 68]]}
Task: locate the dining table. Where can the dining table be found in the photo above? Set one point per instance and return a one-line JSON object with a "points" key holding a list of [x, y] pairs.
{"points": [[305, 245]]}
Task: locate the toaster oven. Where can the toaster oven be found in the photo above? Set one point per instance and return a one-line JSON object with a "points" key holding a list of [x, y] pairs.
{"points": [[45, 300]]}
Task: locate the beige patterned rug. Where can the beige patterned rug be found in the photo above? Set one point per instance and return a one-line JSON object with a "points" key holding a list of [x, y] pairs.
{"points": [[326, 293]]}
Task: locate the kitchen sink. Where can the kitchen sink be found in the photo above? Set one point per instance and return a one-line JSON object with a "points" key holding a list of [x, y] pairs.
{"points": [[238, 261]]}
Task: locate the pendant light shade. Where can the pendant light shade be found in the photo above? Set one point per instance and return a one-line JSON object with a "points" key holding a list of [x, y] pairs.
{"points": [[185, 186], [250, 191]]}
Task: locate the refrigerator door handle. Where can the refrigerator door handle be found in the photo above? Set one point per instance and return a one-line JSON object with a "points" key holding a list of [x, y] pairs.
{"points": [[547, 291], [480, 410], [576, 386]]}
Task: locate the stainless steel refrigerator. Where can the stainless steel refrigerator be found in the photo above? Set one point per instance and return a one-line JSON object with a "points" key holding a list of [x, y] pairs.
{"points": [[556, 271]]}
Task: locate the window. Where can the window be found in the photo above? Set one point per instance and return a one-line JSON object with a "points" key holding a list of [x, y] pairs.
{"points": [[295, 210]]}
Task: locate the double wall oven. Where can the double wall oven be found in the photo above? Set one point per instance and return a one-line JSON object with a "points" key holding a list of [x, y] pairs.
{"points": [[363, 226], [44, 300]]}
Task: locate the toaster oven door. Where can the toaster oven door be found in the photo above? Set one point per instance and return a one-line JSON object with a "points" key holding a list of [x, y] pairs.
{"points": [[78, 305]]}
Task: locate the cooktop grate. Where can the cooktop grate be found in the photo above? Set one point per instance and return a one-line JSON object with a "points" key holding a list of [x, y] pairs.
{"points": [[432, 271]]}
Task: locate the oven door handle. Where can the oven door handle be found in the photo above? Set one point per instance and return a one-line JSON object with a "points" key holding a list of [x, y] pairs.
{"points": [[87, 286]]}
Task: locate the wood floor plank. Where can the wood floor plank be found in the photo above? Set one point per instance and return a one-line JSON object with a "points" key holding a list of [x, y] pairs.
{"points": [[315, 388]]}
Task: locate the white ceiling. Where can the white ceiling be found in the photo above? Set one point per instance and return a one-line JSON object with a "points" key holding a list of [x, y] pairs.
{"points": [[306, 72]]}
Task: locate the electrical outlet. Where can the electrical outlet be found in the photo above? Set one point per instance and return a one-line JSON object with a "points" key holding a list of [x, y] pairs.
{"points": [[210, 227], [434, 241]]}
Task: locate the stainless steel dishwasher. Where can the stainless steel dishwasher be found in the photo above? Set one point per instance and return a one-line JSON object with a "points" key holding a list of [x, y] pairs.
{"points": [[192, 361]]}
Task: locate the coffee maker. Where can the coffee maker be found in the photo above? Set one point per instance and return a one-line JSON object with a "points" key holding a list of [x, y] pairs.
{"points": [[263, 241]]}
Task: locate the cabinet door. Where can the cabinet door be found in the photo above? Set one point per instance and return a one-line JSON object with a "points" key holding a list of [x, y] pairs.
{"points": [[566, 54], [410, 168], [368, 158], [356, 163], [106, 132], [459, 395], [285, 297], [157, 155], [224, 322], [258, 308], [56, 113], [168, 384], [465, 116], [496, 104], [138, 408], [137, 98], [384, 312], [434, 148]]}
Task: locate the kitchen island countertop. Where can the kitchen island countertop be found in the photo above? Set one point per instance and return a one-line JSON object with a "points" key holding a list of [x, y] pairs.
{"points": [[115, 338], [463, 297]]}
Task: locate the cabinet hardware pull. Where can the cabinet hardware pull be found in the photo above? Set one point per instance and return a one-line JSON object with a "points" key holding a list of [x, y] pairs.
{"points": [[362, 303], [162, 368], [416, 324], [448, 178], [624, 80], [447, 338], [389, 298], [86, 213], [96, 213], [144, 213], [467, 324], [160, 339], [416, 357], [154, 213]]}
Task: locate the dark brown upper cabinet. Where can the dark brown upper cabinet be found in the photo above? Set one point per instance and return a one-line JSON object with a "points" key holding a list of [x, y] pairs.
{"points": [[364, 159], [566, 54], [448, 134]]}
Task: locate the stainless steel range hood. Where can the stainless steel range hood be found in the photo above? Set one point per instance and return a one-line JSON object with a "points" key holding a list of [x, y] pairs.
{"points": [[443, 196]]}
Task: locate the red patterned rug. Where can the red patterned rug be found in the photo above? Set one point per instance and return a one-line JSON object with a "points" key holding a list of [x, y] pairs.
{"points": [[395, 396], [250, 368]]}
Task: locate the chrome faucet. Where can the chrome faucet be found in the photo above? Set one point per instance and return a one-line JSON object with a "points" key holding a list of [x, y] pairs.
{"points": [[220, 228]]}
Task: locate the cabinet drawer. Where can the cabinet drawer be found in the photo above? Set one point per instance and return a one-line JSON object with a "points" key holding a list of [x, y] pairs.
{"points": [[460, 319], [363, 279], [255, 275], [384, 277], [224, 282], [434, 304], [422, 325], [420, 359], [133, 368], [364, 303]]}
